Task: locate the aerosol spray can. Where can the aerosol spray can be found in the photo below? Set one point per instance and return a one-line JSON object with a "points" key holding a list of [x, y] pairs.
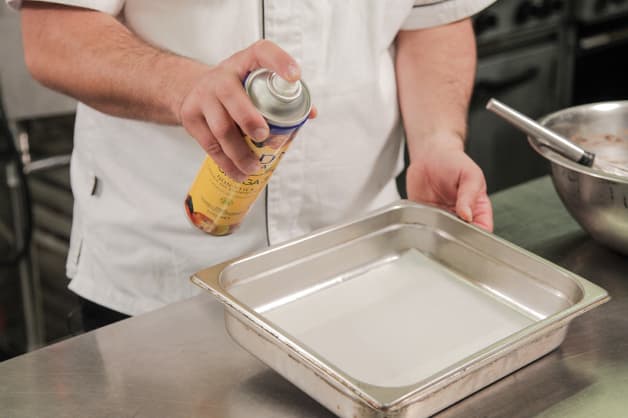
{"points": [[216, 203]]}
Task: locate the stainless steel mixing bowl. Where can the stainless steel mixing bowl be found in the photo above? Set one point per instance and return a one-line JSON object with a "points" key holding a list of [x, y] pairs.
{"points": [[597, 200]]}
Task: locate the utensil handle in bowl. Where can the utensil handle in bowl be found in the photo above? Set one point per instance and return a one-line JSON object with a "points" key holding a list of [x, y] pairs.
{"points": [[558, 143]]}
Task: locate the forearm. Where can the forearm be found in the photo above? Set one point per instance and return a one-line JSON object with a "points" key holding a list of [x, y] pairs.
{"points": [[92, 57], [435, 74]]}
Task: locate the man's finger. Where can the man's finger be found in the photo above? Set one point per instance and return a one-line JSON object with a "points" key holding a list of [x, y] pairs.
{"points": [[470, 188], [264, 54], [216, 153], [241, 109], [229, 141], [196, 125], [483, 214]]}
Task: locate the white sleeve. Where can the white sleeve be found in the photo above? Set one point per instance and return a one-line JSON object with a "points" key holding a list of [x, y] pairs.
{"points": [[111, 7], [428, 13]]}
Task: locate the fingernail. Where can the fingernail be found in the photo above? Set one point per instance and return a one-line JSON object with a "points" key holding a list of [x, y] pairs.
{"points": [[260, 134], [466, 214], [293, 71]]}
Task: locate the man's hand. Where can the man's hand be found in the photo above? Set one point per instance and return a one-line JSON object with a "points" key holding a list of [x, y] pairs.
{"points": [[122, 75], [217, 105], [443, 175], [435, 72]]}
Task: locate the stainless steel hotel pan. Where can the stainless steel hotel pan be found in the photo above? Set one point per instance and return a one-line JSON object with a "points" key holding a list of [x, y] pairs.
{"points": [[399, 313]]}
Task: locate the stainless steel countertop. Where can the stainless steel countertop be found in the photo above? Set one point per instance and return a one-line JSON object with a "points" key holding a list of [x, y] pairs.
{"points": [[179, 362]]}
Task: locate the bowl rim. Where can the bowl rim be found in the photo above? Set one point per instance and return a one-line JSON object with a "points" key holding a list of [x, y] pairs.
{"points": [[558, 159]]}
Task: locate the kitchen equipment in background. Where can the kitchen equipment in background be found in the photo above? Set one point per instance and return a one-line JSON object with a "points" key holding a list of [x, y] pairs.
{"points": [[508, 19], [599, 50], [16, 236], [398, 313], [18, 193], [597, 200], [49, 143], [598, 11], [42, 124], [518, 77], [36, 224], [521, 57]]}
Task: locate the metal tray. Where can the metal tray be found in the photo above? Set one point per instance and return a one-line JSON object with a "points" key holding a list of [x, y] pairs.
{"points": [[399, 313]]}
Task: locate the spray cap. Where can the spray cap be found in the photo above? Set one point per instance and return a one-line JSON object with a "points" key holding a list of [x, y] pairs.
{"points": [[281, 102], [282, 89]]}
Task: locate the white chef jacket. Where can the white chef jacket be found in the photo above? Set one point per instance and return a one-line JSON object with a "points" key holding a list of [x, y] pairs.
{"points": [[133, 248]]}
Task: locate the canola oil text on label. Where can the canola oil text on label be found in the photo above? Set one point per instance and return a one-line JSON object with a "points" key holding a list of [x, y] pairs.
{"points": [[216, 203]]}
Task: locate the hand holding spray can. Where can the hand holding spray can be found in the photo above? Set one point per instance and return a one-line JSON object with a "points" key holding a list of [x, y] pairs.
{"points": [[216, 203]]}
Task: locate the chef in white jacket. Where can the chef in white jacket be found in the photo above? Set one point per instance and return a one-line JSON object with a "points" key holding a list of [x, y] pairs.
{"points": [[159, 86]]}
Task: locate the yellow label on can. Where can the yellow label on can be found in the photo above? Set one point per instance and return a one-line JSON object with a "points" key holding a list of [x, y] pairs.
{"points": [[216, 203]]}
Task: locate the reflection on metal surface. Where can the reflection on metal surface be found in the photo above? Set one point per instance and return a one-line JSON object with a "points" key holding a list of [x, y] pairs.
{"points": [[47, 163], [587, 375], [352, 346], [605, 107], [584, 190], [548, 137], [179, 362], [514, 302], [545, 383]]}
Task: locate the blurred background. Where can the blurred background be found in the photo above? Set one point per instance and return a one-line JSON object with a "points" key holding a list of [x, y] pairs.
{"points": [[537, 56]]}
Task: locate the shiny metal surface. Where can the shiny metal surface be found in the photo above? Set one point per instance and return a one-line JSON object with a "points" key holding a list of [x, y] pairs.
{"points": [[283, 104], [179, 361], [587, 376], [598, 200], [556, 142], [293, 274]]}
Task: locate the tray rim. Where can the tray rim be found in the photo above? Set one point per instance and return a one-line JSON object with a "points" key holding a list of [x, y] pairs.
{"points": [[398, 397]]}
